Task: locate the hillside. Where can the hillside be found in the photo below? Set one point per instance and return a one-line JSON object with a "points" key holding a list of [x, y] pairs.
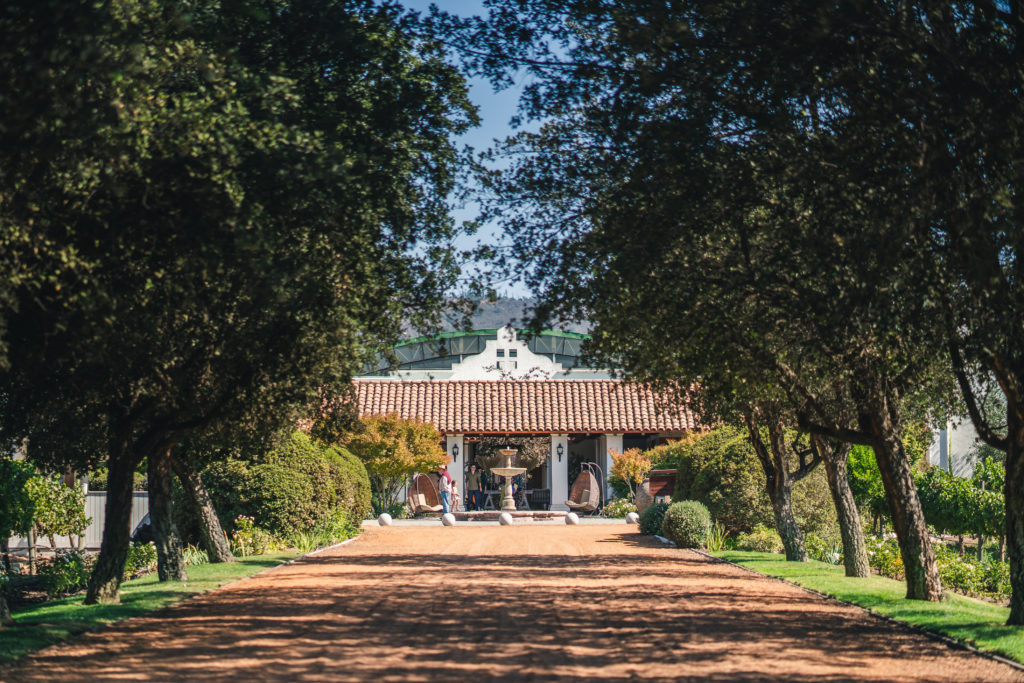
{"points": [[502, 312]]}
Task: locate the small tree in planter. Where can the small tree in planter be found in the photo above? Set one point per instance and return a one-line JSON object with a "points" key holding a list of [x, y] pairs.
{"points": [[392, 448], [631, 466]]}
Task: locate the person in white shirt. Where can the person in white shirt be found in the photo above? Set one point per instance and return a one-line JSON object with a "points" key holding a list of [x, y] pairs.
{"points": [[444, 487]]}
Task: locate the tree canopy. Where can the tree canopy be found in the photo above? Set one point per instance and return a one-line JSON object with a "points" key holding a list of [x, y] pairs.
{"points": [[714, 188], [231, 207]]}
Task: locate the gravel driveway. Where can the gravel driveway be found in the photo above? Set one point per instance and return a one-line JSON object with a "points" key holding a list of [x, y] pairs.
{"points": [[520, 603]]}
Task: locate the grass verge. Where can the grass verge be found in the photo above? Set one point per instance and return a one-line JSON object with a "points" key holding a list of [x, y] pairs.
{"points": [[981, 624], [51, 622]]}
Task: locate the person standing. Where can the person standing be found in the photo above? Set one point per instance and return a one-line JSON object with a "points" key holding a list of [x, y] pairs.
{"points": [[444, 487], [473, 489], [455, 496]]}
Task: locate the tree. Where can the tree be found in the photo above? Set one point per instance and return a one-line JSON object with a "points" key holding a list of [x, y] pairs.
{"points": [[59, 510], [215, 541], [393, 448], [685, 168], [252, 216], [16, 510], [531, 452], [772, 453], [631, 466]]}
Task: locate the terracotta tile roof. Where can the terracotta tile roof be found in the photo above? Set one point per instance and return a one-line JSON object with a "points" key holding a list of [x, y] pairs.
{"points": [[552, 406]]}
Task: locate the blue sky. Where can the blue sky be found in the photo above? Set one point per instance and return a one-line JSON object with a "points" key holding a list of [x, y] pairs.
{"points": [[496, 109]]}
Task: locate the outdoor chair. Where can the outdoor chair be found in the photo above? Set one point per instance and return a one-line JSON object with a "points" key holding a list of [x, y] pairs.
{"points": [[585, 495], [423, 495]]}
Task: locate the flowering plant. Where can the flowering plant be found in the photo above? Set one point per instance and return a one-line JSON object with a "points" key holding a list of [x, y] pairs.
{"points": [[248, 539]]}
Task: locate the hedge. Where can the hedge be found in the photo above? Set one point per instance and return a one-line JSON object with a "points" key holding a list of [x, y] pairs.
{"points": [[294, 487], [351, 483]]}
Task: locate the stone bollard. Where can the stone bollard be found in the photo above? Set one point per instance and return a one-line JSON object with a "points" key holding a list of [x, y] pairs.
{"points": [[384, 519], [632, 518], [448, 520], [505, 519], [572, 518]]}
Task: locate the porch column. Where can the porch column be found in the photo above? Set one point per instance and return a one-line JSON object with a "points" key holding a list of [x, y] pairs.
{"points": [[610, 442], [456, 447], [558, 477]]}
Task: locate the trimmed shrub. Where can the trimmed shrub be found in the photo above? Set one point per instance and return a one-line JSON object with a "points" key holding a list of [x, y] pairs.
{"points": [[651, 518], [279, 499], [687, 524], [618, 508], [720, 470], [302, 455], [298, 486], [351, 483], [763, 539]]}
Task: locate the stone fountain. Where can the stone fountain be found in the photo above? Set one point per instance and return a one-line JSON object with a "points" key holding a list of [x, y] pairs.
{"points": [[508, 502]]}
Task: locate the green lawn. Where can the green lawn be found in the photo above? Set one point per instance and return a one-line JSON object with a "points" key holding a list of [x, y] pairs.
{"points": [[979, 623], [50, 622]]}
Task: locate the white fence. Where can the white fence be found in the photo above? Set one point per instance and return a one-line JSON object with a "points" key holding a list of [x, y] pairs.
{"points": [[95, 509]]}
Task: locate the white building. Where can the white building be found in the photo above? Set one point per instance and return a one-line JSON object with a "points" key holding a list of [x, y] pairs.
{"points": [[499, 382]]}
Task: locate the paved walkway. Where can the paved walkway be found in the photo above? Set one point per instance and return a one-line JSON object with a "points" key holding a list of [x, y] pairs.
{"points": [[509, 603]]}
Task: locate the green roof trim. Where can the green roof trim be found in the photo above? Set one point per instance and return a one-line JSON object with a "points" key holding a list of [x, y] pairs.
{"points": [[475, 333]]}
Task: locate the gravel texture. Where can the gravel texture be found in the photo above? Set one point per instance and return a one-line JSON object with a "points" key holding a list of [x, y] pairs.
{"points": [[516, 603]]}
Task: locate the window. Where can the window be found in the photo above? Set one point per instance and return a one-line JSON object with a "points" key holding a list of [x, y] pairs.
{"points": [[512, 353], [501, 353]]}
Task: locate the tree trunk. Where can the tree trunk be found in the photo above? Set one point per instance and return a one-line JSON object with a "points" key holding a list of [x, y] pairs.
{"points": [[960, 544], [170, 558], [904, 505], [981, 548], [5, 612], [214, 539], [855, 552], [1002, 548], [780, 488], [5, 560], [785, 522], [1014, 492], [106, 575], [33, 553]]}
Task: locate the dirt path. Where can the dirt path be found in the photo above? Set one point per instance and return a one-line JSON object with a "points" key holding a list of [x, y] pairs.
{"points": [[472, 604]]}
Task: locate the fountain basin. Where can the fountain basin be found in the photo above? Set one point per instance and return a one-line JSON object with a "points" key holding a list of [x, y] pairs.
{"points": [[508, 471]]}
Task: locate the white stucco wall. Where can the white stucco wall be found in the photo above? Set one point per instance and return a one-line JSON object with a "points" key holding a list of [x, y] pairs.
{"points": [[524, 364], [952, 448]]}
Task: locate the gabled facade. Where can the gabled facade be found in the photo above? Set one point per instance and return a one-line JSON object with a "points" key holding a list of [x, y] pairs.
{"points": [[496, 382]]}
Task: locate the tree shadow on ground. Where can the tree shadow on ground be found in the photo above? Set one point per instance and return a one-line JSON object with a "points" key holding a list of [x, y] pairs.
{"points": [[425, 616]]}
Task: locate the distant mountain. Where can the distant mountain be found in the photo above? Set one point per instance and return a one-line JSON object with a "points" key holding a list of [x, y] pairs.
{"points": [[492, 315]]}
